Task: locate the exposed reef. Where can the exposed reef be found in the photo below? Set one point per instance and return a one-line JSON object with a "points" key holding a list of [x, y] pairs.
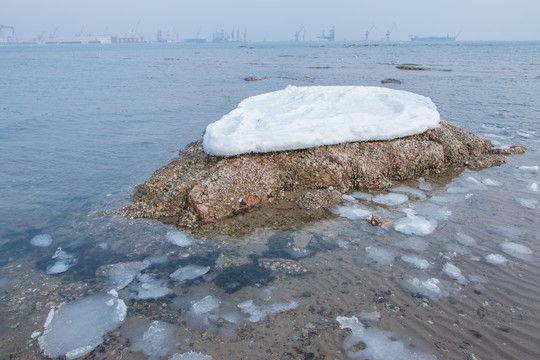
{"points": [[199, 191]]}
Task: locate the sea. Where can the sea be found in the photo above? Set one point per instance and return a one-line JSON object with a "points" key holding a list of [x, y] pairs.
{"points": [[454, 276]]}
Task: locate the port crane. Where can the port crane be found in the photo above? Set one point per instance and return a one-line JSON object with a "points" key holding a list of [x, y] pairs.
{"points": [[298, 32], [366, 38], [388, 32], [10, 39]]}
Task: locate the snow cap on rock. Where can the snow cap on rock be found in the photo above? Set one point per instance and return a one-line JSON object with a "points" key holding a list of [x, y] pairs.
{"points": [[303, 117]]}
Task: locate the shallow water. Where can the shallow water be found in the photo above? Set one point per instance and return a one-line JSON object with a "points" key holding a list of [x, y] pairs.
{"points": [[83, 125]]}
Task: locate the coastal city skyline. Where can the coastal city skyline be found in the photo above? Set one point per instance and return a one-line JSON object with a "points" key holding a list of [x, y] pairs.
{"points": [[273, 20]]}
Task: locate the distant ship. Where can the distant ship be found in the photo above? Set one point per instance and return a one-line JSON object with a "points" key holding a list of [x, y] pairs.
{"points": [[433, 38], [331, 35]]}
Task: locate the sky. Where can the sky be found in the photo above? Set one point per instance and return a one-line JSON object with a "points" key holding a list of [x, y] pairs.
{"points": [[275, 20]]}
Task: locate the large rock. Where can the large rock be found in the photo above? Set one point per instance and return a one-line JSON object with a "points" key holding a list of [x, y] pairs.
{"points": [[200, 188]]}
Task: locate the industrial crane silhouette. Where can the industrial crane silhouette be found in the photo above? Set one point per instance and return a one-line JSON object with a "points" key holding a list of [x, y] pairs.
{"points": [[367, 32], [388, 32], [9, 39]]}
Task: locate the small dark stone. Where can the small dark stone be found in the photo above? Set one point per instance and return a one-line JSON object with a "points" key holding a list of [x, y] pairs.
{"points": [[390, 81]]}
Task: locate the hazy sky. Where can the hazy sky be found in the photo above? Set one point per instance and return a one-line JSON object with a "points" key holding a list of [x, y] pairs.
{"points": [[277, 19]]}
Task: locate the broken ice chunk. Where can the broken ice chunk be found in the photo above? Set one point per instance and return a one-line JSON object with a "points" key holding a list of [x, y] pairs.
{"points": [[496, 259], [454, 272], [76, 328], [42, 240], [63, 262], [415, 225], [179, 238], [259, 312], [416, 261], [516, 250], [391, 199], [189, 272], [149, 287]]}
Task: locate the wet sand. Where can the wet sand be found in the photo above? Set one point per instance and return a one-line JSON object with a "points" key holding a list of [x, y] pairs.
{"points": [[493, 314]]}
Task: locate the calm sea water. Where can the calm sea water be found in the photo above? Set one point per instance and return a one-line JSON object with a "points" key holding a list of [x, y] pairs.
{"points": [[80, 126]]}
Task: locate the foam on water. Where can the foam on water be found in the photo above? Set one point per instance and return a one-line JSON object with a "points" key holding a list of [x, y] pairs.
{"points": [[76, 328], [379, 344], [179, 238], [155, 339], [415, 225], [42, 240], [516, 250], [63, 262], [189, 272], [416, 261]]}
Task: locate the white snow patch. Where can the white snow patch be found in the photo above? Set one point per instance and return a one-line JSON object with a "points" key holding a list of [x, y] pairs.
{"points": [[76, 328], [149, 287], [414, 225], [42, 240], [416, 261], [259, 312], [516, 250], [189, 272], [496, 259], [379, 344], [179, 238], [353, 212], [63, 262], [390, 199], [191, 356], [155, 339], [465, 239], [303, 117], [454, 272], [430, 287]]}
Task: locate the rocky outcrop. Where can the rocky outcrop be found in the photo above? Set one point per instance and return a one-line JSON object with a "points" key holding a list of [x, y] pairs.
{"points": [[202, 189]]}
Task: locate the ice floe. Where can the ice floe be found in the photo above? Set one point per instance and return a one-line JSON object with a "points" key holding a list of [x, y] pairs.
{"points": [[191, 356], [491, 182], [153, 338], [379, 255], [76, 328], [412, 243], [516, 250], [121, 275], [533, 187], [527, 203], [303, 117], [379, 344], [412, 192], [454, 272], [496, 259], [260, 312], [416, 261], [465, 239], [352, 212], [42, 240], [391, 199], [179, 238], [414, 225], [189, 272], [149, 287], [529, 169], [63, 262], [427, 286]]}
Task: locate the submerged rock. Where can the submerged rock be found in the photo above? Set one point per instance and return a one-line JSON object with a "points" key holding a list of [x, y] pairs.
{"points": [[201, 189]]}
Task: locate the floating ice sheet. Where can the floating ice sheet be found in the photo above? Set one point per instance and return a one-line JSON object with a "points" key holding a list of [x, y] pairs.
{"points": [[76, 328], [352, 212], [259, 312], [149, 287], [415, 225], [496, 259], [379, 344], [63, 262], [391, 199], [454, 272], [516, 250], [179, 238], [189, 272], [190, 356], [155, 339], [416, 261], [42, 240], [427, 286], [303, 117]]}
